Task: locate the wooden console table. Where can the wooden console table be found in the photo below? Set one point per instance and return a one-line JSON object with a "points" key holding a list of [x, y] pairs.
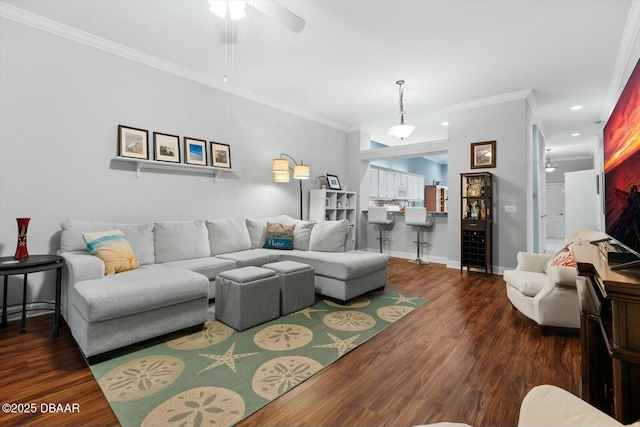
{"points": [[610, 334]]}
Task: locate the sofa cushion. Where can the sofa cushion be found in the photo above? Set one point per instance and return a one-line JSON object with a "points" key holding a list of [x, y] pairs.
{"points": [[526, 282], [139, 236], [228, 235], [147, 288], [209, 267], [113, 249], [177, 240], [279, 236], [329, 236], [302, 234], [255, 257], [257, 232], [339, 265]]}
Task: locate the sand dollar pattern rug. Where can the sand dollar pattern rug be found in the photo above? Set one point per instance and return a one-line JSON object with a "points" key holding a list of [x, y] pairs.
{"points": [[218, 376]]}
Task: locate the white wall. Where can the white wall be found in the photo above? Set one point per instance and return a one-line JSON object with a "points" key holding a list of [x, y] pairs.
{"points": [[507, 124], [60, 105]]}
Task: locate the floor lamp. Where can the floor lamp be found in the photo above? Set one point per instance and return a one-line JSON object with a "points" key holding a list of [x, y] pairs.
{"points": [[281, 172]]}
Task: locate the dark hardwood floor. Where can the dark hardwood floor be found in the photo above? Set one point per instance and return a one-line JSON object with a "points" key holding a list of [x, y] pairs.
{"points": [[465, 356]]}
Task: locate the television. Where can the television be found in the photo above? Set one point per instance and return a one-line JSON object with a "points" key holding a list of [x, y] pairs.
{"points": [[622, 170]]}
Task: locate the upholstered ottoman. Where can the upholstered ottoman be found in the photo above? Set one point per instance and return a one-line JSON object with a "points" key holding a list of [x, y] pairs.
{"points": [[297, 289], [247, 296]]}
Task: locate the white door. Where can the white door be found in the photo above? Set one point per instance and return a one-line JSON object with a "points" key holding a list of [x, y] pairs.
{"points": [[555, 210], [382, 183]]}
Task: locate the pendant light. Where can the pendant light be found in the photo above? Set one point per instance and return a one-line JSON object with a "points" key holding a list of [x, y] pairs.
{"points": [[401, 131], [549, 166]]}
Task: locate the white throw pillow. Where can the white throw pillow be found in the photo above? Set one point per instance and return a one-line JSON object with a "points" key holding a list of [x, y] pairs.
{"points": [[228, 235], [329, 236]]}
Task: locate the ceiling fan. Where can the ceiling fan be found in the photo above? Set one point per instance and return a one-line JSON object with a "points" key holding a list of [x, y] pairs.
{"points": [[231, 10]]}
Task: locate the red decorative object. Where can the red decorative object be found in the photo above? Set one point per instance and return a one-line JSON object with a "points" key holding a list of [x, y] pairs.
{"points": [[21, 250]]}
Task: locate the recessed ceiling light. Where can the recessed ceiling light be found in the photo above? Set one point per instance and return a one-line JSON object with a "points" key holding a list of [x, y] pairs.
{"points": [[445, 123], [575, 134], [576, 108]]}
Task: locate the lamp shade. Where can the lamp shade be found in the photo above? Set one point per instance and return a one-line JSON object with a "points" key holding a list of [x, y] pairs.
{"points": [[301, 171], [401, 131], [280, 165], [279, 176]]}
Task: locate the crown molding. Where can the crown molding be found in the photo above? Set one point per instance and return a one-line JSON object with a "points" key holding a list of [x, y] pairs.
{"points": [[492, 100], [624, 59], [54, 27]]}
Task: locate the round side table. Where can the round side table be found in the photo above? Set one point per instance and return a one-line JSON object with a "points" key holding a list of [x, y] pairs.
{"points": [[32, 264]]}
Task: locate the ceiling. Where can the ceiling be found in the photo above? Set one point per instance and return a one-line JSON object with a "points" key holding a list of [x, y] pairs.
{"points": [[341, 69]]}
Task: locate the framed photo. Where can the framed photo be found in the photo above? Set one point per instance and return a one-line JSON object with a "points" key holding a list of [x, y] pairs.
{"points": [[133, 142], [483, 155], [220, 155], [333, 182], [195, 151], [167, 147]]}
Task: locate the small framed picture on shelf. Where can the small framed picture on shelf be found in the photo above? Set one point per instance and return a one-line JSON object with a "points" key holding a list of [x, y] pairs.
{"points": [[483, 155], [167, 147], [195, 151], [133, 142], [220, 155], [333, 182]]}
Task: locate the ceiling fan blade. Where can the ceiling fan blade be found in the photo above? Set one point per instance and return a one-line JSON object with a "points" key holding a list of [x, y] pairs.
{"points": [[278, 13]]}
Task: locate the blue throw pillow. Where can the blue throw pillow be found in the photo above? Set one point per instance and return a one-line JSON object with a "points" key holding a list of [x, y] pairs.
{"points": [[279, 236]]}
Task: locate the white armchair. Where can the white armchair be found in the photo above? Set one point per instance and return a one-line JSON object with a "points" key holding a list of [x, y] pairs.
{"points": [[549, 299]]}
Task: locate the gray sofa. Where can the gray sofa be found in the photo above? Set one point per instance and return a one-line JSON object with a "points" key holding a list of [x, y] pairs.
{"points": [[179, 261]]}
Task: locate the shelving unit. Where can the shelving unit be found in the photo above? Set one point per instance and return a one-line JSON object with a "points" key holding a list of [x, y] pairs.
{"points": [[152, 164], [334, 205], [475, 233]]}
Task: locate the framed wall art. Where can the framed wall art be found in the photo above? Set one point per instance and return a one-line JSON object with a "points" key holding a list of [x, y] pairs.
{"points": [[220, 155], [133, 142], [195, 151], [167, 147], [333, 182], [483, 155]]}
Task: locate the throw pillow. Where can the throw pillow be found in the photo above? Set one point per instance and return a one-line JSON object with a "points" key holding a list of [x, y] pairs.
{"points": [[279, 236], [113, 249], [329, 236], [564, 258]]}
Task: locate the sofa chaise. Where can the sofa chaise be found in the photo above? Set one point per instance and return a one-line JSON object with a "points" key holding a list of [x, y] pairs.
{"points": [[178, 264]]}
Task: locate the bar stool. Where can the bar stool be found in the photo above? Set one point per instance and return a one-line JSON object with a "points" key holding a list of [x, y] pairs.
{"points": [[378, 215], [419, 218]]}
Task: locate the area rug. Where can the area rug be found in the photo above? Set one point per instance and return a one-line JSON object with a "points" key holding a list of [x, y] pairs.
{"points": [[219, 376]]}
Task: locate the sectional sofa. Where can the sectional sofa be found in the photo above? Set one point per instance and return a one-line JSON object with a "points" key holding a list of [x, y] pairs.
{"points": [[178, 263]]}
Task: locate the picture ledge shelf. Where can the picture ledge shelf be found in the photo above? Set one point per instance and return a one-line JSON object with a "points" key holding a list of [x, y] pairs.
{"points": [[152, 164]]}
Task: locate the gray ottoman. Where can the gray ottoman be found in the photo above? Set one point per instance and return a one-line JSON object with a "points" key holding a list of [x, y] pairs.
{"points": [[247, 296], [297, 289]]}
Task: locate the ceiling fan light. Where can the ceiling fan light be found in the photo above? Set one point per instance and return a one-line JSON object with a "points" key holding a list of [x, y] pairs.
{"points": [[236, 9], [549, 166], [218, 8], [401, 131], [280, 176], [301, 171], [280, 165]]}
